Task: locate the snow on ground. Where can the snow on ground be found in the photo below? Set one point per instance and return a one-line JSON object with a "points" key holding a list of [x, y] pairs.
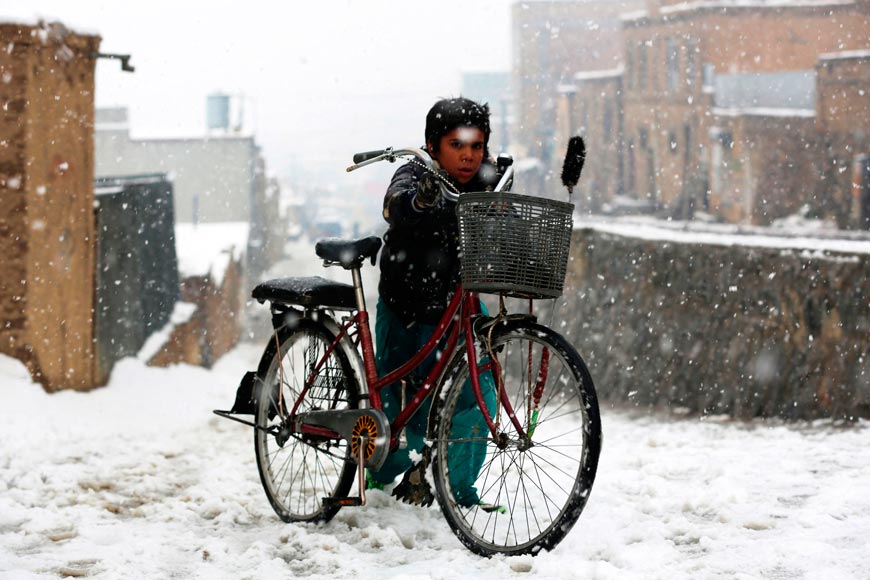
{"points": [[140, 480], [813, 242]]}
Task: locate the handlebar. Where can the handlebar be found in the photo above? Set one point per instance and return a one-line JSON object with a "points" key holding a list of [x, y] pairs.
{"points": [[389, 154], [366, 155]]}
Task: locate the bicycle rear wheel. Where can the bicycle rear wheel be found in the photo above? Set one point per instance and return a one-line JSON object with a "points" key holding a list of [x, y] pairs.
{"points": [[530, 491], [298, 473]]}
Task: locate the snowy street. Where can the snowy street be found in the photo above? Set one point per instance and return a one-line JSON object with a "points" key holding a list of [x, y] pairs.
{"points": [[140, 480]]}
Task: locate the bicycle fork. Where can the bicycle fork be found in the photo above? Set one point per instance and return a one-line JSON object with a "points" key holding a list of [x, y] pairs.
{"points": [[502, 397]]}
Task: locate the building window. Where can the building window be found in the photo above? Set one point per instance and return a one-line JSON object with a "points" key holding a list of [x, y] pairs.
{"points": [[641, 65], [691, 62], [673, 64], [608, 120], [709, 75], [687, 142], [629, 65]]}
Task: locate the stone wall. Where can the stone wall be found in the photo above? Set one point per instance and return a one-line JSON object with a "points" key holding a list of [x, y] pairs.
{"points": [[717, 329]]}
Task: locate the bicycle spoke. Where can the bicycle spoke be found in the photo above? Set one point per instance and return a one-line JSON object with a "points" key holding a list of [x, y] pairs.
{"points": [[550, 419], [513, 507], [547, 496], [554, 386], [554, 450], [554, 466], [533, 486], [541, 487], [468, 440], [560, 435], [530, 505], [552, 416], [297, 475]]}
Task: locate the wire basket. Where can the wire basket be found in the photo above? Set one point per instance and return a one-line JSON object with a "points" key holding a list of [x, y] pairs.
{"points": [[514, 245]]}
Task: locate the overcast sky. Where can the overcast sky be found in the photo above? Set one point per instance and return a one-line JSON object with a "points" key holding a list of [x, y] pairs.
{"points": [[322, 78]]}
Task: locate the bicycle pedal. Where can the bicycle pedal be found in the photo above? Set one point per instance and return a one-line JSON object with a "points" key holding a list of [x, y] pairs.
{"points": [[329, 502]]}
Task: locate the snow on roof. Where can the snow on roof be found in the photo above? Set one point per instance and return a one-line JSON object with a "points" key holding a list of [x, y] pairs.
{"points": [[702, 4], [116, 184], [208, 249], [683, 233], [27, 16], [107, 189], [688, 6], [566, 89], [591, 75], [846, 54], [763, 112], [777, 90], [635, 15]]}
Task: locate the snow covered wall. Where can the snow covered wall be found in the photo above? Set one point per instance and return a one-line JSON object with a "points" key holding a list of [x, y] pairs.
{"points": [[746, 326]]}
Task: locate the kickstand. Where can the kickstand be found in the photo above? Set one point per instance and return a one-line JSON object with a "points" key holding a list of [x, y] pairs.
{"points": [[361, 469]]}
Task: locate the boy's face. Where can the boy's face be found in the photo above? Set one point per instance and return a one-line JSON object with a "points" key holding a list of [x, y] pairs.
{"points": [[461, 153]]}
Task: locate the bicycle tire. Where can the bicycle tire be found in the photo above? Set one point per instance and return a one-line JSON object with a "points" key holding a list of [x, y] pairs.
{"points": [[544, 488], [298, 475]]}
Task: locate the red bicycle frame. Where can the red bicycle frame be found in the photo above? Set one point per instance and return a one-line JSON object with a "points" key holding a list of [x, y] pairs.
{"points": [[457, 320]]}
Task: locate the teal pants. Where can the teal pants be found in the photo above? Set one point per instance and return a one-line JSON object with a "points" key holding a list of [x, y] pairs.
{"points": [[396, 344]]}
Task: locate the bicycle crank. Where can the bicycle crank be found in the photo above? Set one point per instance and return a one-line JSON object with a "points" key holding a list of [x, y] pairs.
{"points": [[366, 430]]}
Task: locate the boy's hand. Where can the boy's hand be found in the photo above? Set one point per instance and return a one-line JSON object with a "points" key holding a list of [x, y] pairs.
{"points": [[428, 191]]}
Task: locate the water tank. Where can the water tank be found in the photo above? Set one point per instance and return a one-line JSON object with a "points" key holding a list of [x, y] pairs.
{"points": [[218, 112]]}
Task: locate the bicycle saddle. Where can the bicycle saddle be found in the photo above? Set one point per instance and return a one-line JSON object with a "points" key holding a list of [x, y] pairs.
{"points": [[348, 253], [310, 292]]}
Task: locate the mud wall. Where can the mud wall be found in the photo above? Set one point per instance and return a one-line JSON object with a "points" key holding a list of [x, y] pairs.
{"points": [[47, 248]]}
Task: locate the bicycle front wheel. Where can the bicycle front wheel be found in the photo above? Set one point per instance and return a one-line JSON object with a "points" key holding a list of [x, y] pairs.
{"points": [[298, 471], [528, 488]]}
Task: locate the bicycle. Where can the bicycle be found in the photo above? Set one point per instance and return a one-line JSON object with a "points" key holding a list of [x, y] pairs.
{"points": [[315, 397]]}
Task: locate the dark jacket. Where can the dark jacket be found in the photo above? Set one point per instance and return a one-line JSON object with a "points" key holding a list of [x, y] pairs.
{"points": [[420, 259]]}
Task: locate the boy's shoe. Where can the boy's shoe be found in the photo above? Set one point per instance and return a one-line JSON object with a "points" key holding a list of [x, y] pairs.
{"points": [[414, 488], [372, 483]]}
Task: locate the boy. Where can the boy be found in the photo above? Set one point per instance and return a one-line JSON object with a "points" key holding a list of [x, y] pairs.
{"points": [[419, 272]]}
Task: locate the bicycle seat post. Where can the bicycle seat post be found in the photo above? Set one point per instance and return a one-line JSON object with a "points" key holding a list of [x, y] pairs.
{"points": [[358, 289]]}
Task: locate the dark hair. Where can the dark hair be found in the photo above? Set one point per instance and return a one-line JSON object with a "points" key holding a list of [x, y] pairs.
{"points": [[448, 114]]}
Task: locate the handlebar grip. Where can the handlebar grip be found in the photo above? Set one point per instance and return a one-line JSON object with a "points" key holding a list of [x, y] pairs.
{"points": [[366, 155]]}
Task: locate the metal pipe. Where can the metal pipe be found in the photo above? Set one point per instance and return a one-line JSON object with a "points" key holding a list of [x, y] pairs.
{"points": [[505, 179], [358, 290], [361, 469]]}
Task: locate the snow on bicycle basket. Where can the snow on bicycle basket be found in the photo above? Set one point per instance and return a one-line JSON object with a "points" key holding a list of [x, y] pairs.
{"points": [[513, 244]]}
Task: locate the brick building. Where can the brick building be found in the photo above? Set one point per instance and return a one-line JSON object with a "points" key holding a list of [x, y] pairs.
{"points": [[843, 124], [763, 164], [551, 42], [591, 105], [47, 251], [718, 104], [674, 53]]}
